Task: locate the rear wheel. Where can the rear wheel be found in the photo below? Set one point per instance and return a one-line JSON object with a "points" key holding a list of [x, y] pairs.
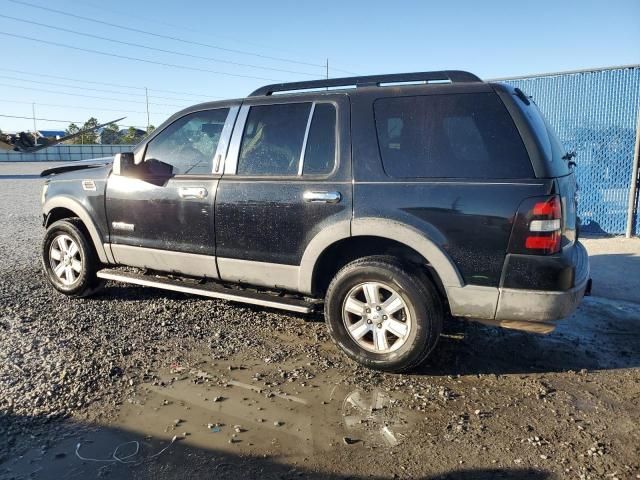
{"points": [[384, 314], [69, 259]]}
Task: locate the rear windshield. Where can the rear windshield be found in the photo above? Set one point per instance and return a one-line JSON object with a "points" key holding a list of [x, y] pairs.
{"points": [[449, 136]]}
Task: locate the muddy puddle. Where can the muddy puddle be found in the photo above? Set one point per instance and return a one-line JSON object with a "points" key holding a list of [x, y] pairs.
{"points": [[241, 410], [228, 410]]}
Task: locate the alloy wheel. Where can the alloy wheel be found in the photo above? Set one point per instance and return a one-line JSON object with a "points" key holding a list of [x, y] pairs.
{"points": [[376, 317], [65, 259]]}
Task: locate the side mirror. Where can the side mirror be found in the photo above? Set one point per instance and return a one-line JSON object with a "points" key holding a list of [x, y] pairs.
{"points": [[123, 163], [153, 168]]}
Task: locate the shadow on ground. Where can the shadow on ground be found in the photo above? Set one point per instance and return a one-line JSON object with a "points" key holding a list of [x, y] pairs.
{"points": [[602, 334], [180, 459]]}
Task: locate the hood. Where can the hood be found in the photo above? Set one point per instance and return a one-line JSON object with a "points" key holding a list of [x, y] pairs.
{"points": [[78, 165]]}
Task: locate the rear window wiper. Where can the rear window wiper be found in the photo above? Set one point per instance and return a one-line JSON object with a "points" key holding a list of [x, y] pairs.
{"points": [[522, 96]]}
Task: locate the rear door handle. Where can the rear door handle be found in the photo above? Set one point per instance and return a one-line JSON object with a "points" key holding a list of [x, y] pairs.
{"points": [[193, 192], [321, 197]]}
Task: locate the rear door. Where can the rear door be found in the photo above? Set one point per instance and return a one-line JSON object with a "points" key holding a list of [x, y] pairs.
{"points": [[287, 177], [167, 224]]}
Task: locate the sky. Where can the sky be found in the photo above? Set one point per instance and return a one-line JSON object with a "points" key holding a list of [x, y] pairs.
{"points": [[208, 50]]}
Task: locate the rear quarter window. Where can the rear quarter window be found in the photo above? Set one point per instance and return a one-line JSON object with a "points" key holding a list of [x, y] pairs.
{"points": [[449, 136]]}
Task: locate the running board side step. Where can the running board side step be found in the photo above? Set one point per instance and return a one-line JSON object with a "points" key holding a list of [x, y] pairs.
{"points": [[212, 290]]}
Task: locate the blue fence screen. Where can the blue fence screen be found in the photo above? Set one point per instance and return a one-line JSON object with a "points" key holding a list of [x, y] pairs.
{"points": [[595, 114]]}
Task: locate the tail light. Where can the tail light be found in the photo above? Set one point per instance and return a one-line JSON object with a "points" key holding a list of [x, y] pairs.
{"points": [[538, 227]]}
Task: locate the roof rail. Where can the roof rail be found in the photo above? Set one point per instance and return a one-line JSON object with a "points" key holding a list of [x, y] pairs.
{"points": [[453, 76]]}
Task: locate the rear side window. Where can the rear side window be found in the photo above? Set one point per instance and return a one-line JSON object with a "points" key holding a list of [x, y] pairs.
{"points": [[449, 136], [272, 139], [320, 153]]}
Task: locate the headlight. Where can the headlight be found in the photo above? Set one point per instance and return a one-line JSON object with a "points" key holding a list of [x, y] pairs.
{"points": [[45, 187]]}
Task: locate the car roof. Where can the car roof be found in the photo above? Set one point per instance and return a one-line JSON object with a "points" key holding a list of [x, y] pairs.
{"points": [[393, 84], [349, 85]]}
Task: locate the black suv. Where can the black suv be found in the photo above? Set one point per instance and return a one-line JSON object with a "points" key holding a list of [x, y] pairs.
{"points": [[393, 200]]}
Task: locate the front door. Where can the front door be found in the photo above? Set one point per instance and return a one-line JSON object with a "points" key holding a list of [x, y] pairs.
{"points": [[167, 223], [287, 178]]}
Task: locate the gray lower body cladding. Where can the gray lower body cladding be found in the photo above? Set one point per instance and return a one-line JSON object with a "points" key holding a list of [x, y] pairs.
{"points": [[523, 309]]}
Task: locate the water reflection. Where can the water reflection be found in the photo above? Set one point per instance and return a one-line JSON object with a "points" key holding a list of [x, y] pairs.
{"points": [[255, 413], [375, 417]]}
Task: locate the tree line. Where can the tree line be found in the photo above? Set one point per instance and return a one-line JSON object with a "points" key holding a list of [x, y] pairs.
{"points": [[110, 134]]}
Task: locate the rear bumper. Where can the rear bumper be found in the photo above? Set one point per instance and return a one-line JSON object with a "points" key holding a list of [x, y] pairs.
{"points": [[546, 305], [528, 309]]}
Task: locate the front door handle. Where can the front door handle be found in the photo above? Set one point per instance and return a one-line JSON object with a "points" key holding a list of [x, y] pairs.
{"points": [[193, 192], [322, 197]]}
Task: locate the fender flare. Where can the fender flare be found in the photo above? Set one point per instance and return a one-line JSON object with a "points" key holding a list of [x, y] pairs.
{"points": [[82, 213], [384, 228]]}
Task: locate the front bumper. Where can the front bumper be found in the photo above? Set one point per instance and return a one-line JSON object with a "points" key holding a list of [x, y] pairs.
{"points": [[516, 304]]}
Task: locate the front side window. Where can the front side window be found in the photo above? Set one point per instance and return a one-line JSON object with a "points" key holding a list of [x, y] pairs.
{"points": [[449, 136], [189, 143], [272, 139]]}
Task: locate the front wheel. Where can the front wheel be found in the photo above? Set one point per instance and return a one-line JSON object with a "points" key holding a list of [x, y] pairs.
{"points": [[383, 314], [69, 259]]}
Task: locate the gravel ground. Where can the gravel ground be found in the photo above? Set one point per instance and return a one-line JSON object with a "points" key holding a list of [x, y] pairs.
{"points": [[491, 403]]}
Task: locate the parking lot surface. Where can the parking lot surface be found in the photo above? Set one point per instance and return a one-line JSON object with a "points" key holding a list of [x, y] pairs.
{"points": [[211, 389]]}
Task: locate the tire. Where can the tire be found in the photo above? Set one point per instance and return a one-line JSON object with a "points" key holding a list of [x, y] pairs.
{"points": [[408, 345], [69, 259]]}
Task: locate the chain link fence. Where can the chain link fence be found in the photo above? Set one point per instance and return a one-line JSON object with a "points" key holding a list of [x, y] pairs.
{"points": [[596, 115]]}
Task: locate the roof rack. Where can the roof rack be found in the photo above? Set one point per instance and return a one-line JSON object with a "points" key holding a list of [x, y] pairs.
{"points": [[452, 76]]}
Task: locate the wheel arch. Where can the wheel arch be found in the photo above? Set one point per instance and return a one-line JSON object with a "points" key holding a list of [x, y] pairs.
{"points": [[59, 208], [326, 253]]}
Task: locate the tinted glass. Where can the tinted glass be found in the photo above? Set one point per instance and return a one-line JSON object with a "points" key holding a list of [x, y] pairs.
{"points": [[272, 139], [320, 154], [189, 143], [449, 136]]}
